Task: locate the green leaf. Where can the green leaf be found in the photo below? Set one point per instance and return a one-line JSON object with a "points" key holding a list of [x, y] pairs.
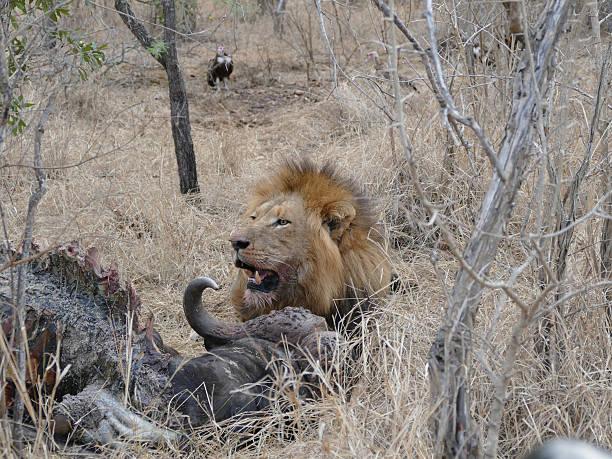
{"points": [[157, 49], [20, 4]]}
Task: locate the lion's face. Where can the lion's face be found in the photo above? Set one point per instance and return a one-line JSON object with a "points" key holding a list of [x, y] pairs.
{"points": [[274, 248], [268, 247], [292, 246]]}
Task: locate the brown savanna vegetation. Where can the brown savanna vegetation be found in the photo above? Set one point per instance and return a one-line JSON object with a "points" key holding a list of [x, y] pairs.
{"points": [[111, 181]]}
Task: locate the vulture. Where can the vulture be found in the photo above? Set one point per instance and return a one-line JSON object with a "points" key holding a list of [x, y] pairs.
{"points": [[220, 68]]}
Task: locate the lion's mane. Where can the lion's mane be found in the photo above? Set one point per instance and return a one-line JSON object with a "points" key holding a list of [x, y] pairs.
{"points": [[335, 250]]}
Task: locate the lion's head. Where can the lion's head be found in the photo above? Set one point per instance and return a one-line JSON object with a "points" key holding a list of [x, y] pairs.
{"points": [[309, 239]]}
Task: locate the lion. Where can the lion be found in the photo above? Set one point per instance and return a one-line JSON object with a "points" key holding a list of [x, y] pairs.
{"points": [[308, 239]]}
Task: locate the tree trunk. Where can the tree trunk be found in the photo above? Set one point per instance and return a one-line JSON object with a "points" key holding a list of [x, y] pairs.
{"points": [[179, 107], [451, 353]]}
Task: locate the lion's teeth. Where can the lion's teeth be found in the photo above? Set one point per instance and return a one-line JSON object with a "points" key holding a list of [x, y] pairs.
{"points": [[257, 278]]}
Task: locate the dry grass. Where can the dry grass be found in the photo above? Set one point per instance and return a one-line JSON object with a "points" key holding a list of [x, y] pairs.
{"points": [[126, 202]]}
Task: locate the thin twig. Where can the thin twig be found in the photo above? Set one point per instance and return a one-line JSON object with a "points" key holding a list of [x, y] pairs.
{"points": [[415, 45], [335, 62], [448, 105], [571, 195], [399, 105]]}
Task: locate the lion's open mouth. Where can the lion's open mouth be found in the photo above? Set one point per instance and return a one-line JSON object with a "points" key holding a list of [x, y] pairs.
{"points": [[260, 279]]}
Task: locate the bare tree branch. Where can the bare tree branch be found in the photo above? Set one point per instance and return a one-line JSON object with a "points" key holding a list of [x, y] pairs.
{"points": [[448, 105], [138, 29], [19, 333], [450, 354], [333, 57], [571, 195], [415, 44], [439, 87], [399, 104]]}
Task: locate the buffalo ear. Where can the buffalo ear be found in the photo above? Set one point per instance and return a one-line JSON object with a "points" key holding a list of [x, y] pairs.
{"points": [[338, 216]]}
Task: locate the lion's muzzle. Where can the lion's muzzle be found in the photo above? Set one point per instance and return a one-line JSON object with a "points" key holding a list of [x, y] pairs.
{"points": [[239, 244], [260, 279]]}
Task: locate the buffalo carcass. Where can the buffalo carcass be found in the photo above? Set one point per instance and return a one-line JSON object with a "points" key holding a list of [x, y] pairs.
{"points": [[76, 306]]}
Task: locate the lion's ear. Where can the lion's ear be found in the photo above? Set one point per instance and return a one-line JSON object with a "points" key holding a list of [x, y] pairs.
{"points": [[338, 216]]}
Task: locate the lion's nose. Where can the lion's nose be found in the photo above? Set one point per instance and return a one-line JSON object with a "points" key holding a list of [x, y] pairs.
{"points": [[238, 244]]}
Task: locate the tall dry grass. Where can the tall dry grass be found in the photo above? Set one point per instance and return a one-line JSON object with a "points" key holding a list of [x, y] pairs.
{"points": [[124, 199]]}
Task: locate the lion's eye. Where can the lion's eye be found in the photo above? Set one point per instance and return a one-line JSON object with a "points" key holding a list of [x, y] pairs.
{"points": [[253, 217], [282, 222]]}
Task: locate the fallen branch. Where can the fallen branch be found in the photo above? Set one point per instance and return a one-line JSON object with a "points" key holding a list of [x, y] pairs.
{"points": [[16, 260]]}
